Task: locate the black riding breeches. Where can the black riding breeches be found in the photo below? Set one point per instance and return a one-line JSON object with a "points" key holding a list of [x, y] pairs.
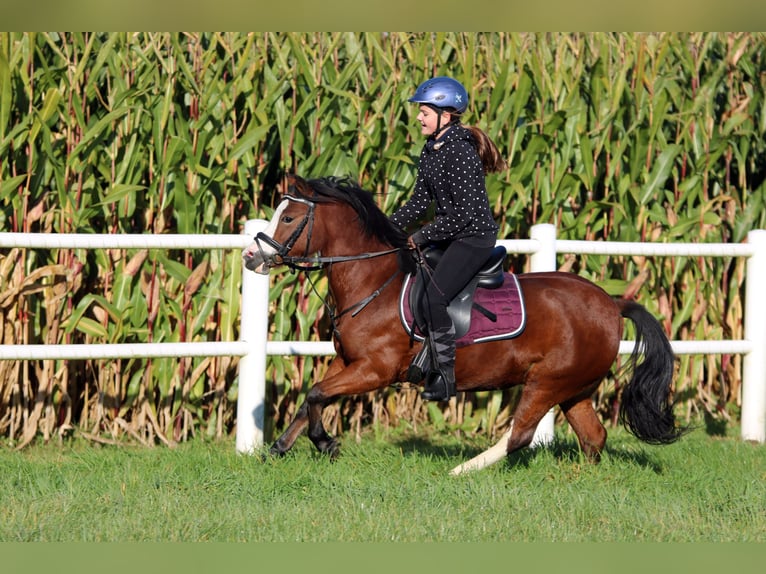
{"points": [[460, 262]]}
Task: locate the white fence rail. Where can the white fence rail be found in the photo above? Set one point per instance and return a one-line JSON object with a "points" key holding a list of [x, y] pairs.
{"points": [[254, 346]]}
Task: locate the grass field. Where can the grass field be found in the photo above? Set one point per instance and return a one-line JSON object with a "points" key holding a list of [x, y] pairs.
{"points": [[390, 488]]}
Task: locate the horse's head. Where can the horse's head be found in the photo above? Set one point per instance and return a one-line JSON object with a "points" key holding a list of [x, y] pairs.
{"points": [[290, 229], [328, 215]]}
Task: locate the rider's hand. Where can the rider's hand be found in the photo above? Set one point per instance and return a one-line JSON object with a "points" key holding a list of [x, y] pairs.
{"points": [[414, 240]]}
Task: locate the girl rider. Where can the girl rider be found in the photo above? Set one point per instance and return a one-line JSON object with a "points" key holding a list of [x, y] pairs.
{"points": [[451, 172]]}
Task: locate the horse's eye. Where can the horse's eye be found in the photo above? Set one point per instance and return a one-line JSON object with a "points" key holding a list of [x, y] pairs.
{"points": [[287, 219]]}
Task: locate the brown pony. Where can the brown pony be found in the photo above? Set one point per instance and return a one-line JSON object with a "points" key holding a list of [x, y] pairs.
{"points": [[568, 346]]}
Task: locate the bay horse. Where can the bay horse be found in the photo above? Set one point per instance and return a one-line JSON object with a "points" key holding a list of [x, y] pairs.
{"points": [[569, 344]]}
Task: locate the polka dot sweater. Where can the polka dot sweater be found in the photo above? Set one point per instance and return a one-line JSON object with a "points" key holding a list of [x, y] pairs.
{"points": [[451, 174]]}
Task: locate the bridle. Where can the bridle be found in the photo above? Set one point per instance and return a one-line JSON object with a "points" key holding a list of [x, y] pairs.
{"points": [[316, 262], [304, 262], [280, 257]]}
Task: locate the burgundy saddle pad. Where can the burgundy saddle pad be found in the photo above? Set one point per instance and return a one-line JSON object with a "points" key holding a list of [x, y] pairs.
{"points": [[506, 303]]}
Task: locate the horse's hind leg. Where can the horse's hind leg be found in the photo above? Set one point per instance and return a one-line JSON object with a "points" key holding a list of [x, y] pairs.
{"points": [[529, 412], [590, 432], [532, 407], [578, 411]]}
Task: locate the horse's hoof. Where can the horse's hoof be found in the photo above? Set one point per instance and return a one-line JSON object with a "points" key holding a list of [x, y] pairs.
{"points": [[276, 452], [330, 448]]}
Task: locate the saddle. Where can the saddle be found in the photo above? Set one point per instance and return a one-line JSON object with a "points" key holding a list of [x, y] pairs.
{"points": [[490, 308], [490, 276]]}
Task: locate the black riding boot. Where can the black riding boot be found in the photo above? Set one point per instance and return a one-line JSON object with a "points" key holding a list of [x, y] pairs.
{"points": [[440, 384]]}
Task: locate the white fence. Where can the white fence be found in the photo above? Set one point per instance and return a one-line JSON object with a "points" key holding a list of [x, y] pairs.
{"points": [[254, 346]]}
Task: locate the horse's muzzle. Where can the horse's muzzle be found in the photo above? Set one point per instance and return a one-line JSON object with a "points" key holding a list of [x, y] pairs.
{"points": [[254, 261]]}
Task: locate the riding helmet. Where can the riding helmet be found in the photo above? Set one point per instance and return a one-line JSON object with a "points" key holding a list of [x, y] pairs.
{"points": [[442, 92]]}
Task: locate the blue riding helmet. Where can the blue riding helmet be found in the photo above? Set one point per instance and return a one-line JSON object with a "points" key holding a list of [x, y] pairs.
{"points": [[442, 92]]}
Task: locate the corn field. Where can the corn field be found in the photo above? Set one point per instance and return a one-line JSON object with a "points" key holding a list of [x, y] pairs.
{"points": [[619, 137]]}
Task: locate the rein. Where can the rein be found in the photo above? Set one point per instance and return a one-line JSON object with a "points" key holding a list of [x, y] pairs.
{"points": [[357, 307], [318, 262]]}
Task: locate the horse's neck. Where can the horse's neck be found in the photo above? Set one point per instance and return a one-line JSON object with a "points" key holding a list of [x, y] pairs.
{"points": [[352, 281]]}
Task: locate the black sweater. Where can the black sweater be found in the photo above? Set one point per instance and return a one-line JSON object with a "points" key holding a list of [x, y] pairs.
{"points": [[450, 172]]}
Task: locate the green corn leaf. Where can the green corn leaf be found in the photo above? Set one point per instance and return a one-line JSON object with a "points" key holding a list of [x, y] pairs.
{"points": [[96, 131], [659, 173], [118, 192], [51, 102], [6, 99], [11, 185], [250, 140], [88, 326]]}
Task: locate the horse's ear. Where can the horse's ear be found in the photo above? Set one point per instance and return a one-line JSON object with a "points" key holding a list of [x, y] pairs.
{"points": [[298, 183]]}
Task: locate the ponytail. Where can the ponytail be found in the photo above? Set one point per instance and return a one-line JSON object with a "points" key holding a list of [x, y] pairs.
{"points": [[490, 156]]}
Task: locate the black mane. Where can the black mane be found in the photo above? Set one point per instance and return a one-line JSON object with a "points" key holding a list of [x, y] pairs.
{"points": [[374, 222]]}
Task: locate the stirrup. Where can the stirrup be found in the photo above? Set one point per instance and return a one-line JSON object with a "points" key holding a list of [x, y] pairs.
{"points": [[437, 388], [419, 367]]}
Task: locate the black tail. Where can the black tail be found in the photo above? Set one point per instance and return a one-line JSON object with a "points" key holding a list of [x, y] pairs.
{"points": [[645, 408]]}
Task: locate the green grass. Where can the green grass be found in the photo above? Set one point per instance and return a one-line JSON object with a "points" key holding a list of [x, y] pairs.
{"points": [[395, 488]]}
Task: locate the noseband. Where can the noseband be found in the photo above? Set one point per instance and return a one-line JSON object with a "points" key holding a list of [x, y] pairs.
{"points": [[280, 256]]}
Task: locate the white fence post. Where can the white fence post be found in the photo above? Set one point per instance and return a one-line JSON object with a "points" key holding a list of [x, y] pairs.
{"points": [[754, 362], [544, 259], [251, 398]]}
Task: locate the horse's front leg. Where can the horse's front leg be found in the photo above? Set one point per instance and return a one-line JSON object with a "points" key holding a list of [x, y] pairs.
{"points": [[357, 378], [325, 443], [287, 439]]}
